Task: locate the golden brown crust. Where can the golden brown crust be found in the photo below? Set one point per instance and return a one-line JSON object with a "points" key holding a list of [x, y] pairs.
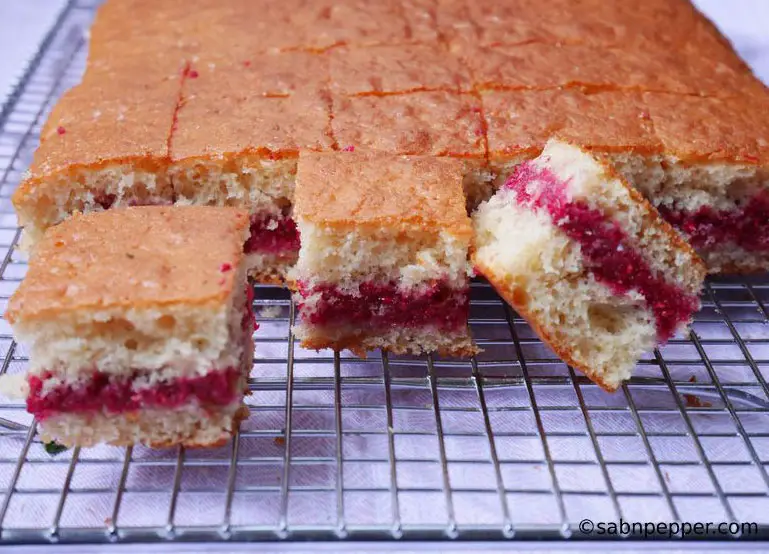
{"points": [[260, 26], [706, 40], [357, 345], [711, 129], [421, 20], [689, 129], [351, 22], [520, 122], [268, 277], [174, 28], [404, 68], [423, 123], [516, 297], [598, 68], [133, 258], [119, 49], [358, 190], [136, 71], [742, 262], [240, 416], [248, 74], [94, 125], [222, 117], [595, 22]]}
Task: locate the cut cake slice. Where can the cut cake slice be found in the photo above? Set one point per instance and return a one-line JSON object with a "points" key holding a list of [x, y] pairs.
{"points": [[138, 326], [383, 259], [599, 275]]}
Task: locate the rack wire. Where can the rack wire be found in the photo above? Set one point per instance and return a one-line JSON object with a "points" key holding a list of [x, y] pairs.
{"points": [[512, 444]]}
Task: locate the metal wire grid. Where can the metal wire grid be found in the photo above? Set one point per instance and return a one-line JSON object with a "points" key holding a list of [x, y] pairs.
{"points": [[511, 444]]}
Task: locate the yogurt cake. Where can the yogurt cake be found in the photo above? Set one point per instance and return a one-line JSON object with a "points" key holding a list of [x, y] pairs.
{"points": [[209, 102], [590, 264], [383, 259], [138, 324]]}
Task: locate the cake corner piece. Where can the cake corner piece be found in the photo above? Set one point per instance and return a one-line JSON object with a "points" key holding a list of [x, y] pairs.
{"points": [[383, 259], [594, 269], [139, 325]]}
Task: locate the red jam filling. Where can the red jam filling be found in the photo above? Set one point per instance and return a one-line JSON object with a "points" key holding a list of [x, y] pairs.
{"points": [[272, 234], [609, 253], [117, 395], [103, 392], [385, 305], [248, 322], [746, 227]]}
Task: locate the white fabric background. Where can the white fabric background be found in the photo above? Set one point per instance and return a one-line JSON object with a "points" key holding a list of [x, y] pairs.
{"points": [[23, 24], [746, 23]]}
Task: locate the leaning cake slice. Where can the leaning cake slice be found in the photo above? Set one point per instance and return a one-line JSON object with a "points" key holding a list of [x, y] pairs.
{"points": [[383, 256], [589, 263], [138, 326]]}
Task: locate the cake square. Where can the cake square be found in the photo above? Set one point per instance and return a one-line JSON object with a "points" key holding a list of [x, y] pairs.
{"points": [[232, 110], [117, 58], [154, 33], [402, 68], [694, 128], [273, 74], [520, 122], [599, 275], [420, 123], [595, 68], [234, 146], [100, 147], [713, 187], [350, 22], [172, 24], [383, 259], [596, 22], [138, 325], [137, 70], [301, 25]]}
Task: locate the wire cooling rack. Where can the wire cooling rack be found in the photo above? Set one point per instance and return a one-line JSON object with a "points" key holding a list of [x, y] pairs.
{"points": [[511, 444]]}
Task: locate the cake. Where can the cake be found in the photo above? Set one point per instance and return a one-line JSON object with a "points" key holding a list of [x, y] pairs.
{"points": [[382, 70], [209, 102], [701, 161], [424, 123], [103, 146], [236, 142], [383, 258], [139, 327], [599, 275], [713, 183]]}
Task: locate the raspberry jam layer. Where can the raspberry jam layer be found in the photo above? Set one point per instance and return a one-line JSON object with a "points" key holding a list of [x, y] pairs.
{"points": [[271, 234], [747, 227], [103, 392], [383, 305], [609, 253]]}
